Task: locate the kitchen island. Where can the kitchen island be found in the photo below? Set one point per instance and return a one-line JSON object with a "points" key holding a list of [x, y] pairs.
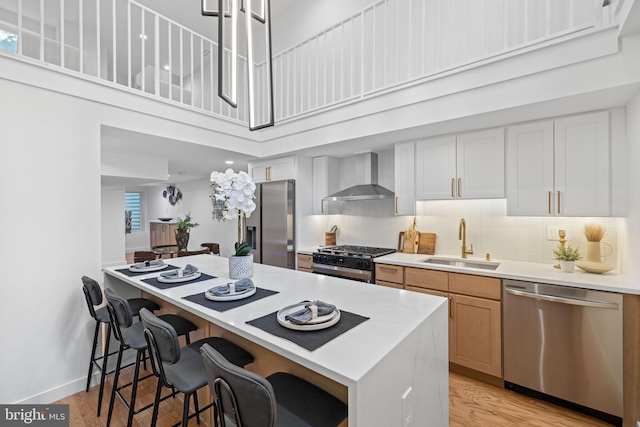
{"points": [[391, 369]]}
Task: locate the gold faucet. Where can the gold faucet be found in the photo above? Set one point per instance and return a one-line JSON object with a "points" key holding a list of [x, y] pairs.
{"points": [[462, 235]]}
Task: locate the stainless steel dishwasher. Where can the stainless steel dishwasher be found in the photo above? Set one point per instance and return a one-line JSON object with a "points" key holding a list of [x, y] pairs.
{"points": [[566, 343]]}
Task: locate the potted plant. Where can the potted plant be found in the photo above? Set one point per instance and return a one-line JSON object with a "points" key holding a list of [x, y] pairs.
{"points": [[567, 257], [233, 195], [182, 232]]}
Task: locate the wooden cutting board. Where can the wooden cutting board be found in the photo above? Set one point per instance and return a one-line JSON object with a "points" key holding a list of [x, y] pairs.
{"points": [[411, 238], [427, 243]]}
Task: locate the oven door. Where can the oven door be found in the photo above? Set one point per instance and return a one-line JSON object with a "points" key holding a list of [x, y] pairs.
{"points": [[342, 272]]}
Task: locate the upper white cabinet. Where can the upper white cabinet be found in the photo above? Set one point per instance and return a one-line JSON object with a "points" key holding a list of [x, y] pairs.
{"points": [[326, 180], [404, 178], [467, 166], [273, 170], [560, 167]]}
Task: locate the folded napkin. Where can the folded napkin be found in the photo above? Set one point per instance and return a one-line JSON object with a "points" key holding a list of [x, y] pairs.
{"points": [[187, 271], [310, 312], [239, 286], [148, 263]]}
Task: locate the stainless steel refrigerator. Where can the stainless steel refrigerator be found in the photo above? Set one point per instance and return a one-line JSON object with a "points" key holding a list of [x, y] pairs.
{"points": [[271, 227]]}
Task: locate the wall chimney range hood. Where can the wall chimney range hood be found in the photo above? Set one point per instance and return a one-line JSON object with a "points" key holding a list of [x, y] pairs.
{"points": [[366, 187]]}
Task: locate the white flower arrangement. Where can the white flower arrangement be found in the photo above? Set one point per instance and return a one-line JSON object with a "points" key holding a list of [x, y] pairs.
{"points": [[233, 193]]}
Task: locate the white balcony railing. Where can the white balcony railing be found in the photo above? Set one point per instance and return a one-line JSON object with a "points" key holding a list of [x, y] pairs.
{"points": [[389, 44]]}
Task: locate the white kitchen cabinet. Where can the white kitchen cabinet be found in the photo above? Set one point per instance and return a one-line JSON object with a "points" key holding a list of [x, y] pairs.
{"points": [[559, 167], [326, 180], [466, 166], [404, 178], [273, 170]]}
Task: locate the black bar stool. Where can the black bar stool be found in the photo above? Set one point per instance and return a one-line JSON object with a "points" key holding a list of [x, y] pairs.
{"points": [[280, 400], [93, 296], [181, 368], [131, 336]]}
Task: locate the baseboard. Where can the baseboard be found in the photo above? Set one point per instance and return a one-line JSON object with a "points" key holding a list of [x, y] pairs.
{"points": [[57, 393], [73, 387]]}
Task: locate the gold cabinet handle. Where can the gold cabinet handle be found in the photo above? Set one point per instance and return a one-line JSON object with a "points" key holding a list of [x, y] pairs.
{"points": [[549, 201], [388, 269], [268, 177], [459, 185], [453, 184], [396, 205], [558, 202], [451, 307]]}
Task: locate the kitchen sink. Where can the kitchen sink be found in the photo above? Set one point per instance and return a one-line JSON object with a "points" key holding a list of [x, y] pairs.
{"points": [[463, 263]]}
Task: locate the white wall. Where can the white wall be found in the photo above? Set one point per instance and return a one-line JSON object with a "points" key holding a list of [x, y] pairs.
{"points": [[112, 222], [50, 169]]}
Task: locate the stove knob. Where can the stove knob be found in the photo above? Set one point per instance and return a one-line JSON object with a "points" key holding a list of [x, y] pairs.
{"points": [[366, 265], [340, 261]]}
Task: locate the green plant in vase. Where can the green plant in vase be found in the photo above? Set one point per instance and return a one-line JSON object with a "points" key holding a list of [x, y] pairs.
{"points": [[183, 231], [567, 257]]}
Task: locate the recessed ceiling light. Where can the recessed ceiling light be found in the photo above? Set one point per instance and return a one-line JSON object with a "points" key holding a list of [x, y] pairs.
{"points": [[166, 67], [229, 162], [143, 36]]}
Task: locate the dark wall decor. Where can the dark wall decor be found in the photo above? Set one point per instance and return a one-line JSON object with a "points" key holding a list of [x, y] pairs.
{"points": [[127, 221], [172, 194]]}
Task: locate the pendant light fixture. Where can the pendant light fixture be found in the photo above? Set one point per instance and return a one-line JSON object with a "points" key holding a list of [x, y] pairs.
{"points": [[254, 10]]}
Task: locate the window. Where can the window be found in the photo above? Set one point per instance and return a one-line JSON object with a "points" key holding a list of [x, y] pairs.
{"points": [[8, 41], [132, 203]]}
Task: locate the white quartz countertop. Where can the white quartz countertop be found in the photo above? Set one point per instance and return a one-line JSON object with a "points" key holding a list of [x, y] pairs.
{"points": [[527, 271], [393, 314]]}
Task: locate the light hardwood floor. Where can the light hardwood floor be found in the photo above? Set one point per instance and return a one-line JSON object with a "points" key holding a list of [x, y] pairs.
{"points": [[471, 403]]}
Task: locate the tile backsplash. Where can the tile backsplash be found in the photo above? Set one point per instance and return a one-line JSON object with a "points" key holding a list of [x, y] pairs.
{"points": [[489, 229]]}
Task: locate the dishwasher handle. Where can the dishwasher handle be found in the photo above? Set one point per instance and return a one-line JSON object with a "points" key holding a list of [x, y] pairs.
{"points": [[563, 300]]}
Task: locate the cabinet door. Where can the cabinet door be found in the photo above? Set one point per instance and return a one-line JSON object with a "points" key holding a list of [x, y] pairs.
{"points": [[280, 169], [480, 164], [152, 235], [272, 170], [326, 180], [258, 173], [530, 169], [475, 334], [304, 262], [582, 181], [436, 168], [404, 177]]}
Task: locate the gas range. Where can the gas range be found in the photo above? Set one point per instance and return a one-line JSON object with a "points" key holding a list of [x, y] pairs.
{"points": [[346, 261]]}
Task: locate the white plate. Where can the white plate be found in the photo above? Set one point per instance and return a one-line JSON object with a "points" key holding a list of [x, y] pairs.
{"points": [[179, 279], [320, 322], [135, 269], [231, 296]]}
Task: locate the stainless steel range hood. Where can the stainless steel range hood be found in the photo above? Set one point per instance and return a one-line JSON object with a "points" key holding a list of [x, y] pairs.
{"points": [[366, 187]]}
